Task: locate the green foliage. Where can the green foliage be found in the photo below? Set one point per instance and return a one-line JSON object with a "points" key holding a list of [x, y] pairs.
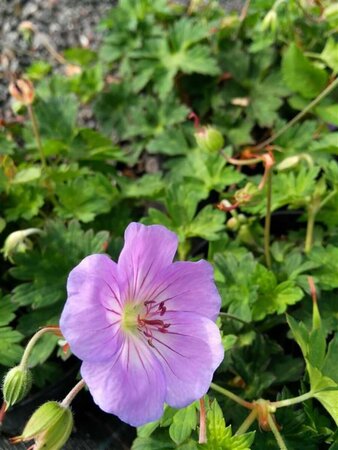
{"points": [[120, 147], [219, 437]]}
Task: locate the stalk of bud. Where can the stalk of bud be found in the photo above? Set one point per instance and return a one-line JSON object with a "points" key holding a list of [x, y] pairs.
{"points": [[209, 139], [50, 426], [17, 383], [22, 90]]}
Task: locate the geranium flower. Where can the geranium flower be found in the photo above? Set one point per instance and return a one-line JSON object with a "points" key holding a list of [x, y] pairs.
{"points": [[144, 327]]}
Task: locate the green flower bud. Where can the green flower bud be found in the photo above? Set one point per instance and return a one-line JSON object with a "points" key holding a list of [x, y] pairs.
{"points": [[50, 426], [18, 242], [232, 224], [270, 21], [209, 139], [17, 384], [288, 163]]}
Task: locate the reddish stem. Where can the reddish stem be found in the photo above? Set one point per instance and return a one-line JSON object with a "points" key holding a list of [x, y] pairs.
{"points": [[203, 420]]}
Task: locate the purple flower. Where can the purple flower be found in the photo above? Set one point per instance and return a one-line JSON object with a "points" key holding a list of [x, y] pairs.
{"points": [[144, 327]]}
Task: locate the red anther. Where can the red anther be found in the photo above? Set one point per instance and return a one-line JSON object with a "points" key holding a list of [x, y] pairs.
{"points": [[150, 342], [155, 322], [163, 310]]}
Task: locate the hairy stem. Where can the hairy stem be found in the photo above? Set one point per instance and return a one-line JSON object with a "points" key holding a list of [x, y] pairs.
{"points": [[247, 422], [202, 439], [232, 317], [311, 218], [299, 116], [37, 136], [233, 397], [292, 401], [267, 225], [73, 393], [33, 341], [276, 433]]}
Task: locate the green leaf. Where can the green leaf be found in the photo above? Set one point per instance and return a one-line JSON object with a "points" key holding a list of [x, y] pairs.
{"points": [[23, 202], [27, 175], [326, 260], [328, 113], [148, 186], [79, 55], [148, 443], [266, 98], [208, 223], [86, 197], [219, 437], [91, 145], [10, 349], [57, 116], [322, 386], [183, 423], [330, 54], [301, 75], [45, 269]]}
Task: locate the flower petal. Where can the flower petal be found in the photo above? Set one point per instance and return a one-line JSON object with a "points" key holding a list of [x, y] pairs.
{"points": [[146, 251], [188, 286], [131, 385], [189, 352], [90, 320]]}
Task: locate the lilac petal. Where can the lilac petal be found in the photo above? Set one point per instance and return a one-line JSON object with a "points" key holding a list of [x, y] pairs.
{"points": [[90, 320], [146, 251], [131, 385], [188, 286], [189, 352]]}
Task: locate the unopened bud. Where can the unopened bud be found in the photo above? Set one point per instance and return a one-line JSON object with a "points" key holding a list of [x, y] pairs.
{"points": [[22, 90], [232, 224], [50, 427], [17, 384], [17, 241], [270, 21], [289, 162], [209, 139]]}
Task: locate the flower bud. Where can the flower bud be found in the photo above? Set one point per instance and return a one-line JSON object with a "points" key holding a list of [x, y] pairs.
{"points": [[50, 426], [232, 224], [270, 21], [22, 90], [17, 384], [17, 242], [209, 139], [289, 162]]}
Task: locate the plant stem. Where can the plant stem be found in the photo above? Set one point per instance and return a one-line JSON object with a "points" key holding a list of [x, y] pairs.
{"points": [[309, 228], [267, 225], [327, 199], [276, 433], [232, 317], [33, 341], [292, 401], [37, 135], [233, 397], [202, 438], [247, 422], [73, 393], [300, 115]]}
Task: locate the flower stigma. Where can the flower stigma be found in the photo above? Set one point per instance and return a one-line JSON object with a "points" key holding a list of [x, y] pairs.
{"points": [[144, 318]]}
